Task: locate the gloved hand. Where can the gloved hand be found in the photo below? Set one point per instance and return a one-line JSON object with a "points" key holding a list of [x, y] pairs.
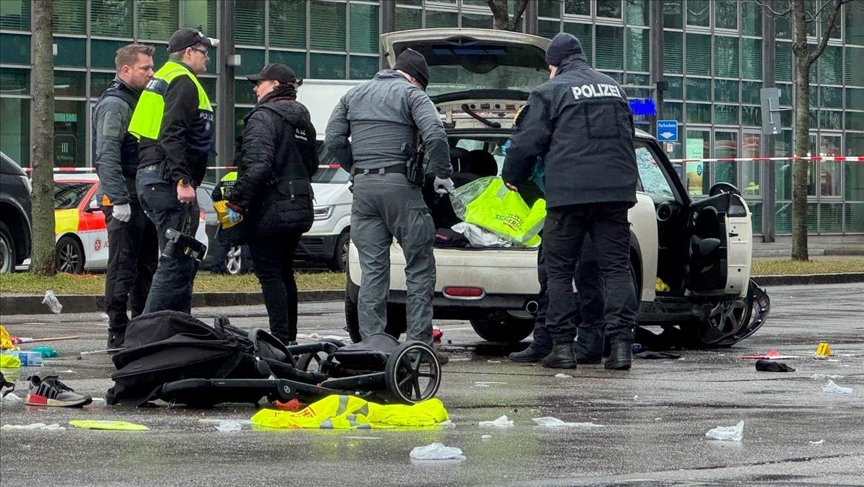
{"points": [[122, 213], [444, 186], [233, 216]]}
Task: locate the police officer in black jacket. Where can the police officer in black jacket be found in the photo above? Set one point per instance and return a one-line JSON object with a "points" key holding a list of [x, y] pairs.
{"points": [[581, 123], [274, 190]]}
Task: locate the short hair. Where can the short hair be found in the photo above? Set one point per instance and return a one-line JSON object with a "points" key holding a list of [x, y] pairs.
{"points": [[128, 54], [177, 55]]}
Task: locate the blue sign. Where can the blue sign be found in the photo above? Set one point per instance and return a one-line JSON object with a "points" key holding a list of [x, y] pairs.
{"points": [[667, 130], [643, 107]]}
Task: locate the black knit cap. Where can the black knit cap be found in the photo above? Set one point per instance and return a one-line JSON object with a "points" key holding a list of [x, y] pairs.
{"points": [[563, 46], [275, 72], [413, 63]]}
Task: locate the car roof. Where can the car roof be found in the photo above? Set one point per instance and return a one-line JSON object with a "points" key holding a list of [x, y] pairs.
{"points": [[77, 177], [641, 134]]}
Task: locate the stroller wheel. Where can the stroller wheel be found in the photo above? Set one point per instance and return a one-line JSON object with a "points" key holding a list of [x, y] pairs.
{"points": [[412, 373]]}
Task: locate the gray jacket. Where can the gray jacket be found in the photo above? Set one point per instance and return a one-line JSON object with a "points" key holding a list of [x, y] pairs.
{"points": [[380, 116], [111, 117]]}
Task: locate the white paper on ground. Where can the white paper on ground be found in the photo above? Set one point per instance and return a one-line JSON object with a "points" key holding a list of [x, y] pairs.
{"points": [[501, 422], [33, 426], [834, 388], [436, 451], [550, 422], [563, 376], [731, 433]]}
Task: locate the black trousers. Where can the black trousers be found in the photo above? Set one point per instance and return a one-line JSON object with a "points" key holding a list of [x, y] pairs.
{"points": [[273, 259], [133, 251], [563, 236]]}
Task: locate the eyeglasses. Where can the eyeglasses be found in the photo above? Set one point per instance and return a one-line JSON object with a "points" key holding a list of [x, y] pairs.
{"points": [[202, 51]]}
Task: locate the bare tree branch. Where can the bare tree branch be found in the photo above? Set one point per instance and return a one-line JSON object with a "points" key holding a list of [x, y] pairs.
{"points": [[517, 15], [832, 21], [773, 12]]}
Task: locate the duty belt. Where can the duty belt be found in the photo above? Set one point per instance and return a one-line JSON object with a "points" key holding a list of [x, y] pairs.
{"points": [[395, 168]]}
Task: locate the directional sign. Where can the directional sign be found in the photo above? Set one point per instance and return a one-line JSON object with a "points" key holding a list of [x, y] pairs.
{"points": [[667, 130]]}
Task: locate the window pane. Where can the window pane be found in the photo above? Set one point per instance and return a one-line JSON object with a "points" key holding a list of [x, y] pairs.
{"points": [[577, 7], [327, 66], [243, 93], [102, 52], [294, 60], [831, 120], [853, 217], [252, 60], [750, 92], [855, 170], [15, 15], [364, 28], [751, 172], [610, 47], [783, 27], [725, 90], [698, 12], [71, 52], [249, 22], [698, 89], [855, 99], [99, 82], [698, 181], [16, 49], [637, 12], [70, 135], [751, 58], [854, 121], [725, 146], [831, 217], [583, 33], [637, 49], [548, 28], [111, 18], [549, 8], [698, 113], [751, 19], [726, 56], [476, 21], [726, 114], [363, 67], [158, 19], [70, 17], [726, 14], [609, 9], [854, 27], [676, 87], [783, 61], [751, 116], [199, 14], [288, 24], [854, 73], [831, 97], [15, 136], [698, 54], [14, 81], [673, 52], [830, 65], [441, 19], [652, 178], [672, 15], [407, 19], [327, 27], [69, 83]]}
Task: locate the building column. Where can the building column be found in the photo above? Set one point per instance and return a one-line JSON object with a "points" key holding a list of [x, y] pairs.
{"points": [[387, 23], [225, 87], [529, 18], [658, 84], [766, 148]]}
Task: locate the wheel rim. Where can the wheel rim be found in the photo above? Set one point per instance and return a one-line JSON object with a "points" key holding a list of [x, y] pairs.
{"points": [[343, 257], [416, 377], [724, 320], [69, 258], [5, 257], [234, 261]]}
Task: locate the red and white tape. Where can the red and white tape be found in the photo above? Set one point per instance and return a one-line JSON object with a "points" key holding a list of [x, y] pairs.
{"points": [[785, 158]]}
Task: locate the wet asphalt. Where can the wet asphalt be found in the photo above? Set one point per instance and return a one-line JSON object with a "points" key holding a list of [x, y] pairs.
{"points": [[654, 417]]}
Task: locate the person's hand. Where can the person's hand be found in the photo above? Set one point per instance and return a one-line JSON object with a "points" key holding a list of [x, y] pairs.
{"points": [[122, 213], [185, 194], [444, 186], [233, 216], [511, 187]]}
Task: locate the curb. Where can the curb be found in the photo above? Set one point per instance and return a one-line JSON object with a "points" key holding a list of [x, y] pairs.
{"points": [[32, 305]]}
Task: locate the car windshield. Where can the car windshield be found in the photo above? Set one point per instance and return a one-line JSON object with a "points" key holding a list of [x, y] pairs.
{"points": [[69, 195], [329, 171]]}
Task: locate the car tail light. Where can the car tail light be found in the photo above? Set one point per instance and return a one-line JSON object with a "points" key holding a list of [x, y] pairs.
{"points": [[463, 292]]}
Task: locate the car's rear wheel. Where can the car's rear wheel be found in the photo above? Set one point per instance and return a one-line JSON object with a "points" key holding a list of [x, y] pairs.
{"points": [[7, 250], [339, 261], [70, 255], [723, 322], [503, 327]]}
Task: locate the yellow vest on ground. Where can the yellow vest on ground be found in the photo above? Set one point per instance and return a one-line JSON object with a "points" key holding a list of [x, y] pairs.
{"points": [[147, 118]]}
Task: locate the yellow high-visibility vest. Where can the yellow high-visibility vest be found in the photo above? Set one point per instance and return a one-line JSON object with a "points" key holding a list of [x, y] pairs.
{"points": [[147, 118]]}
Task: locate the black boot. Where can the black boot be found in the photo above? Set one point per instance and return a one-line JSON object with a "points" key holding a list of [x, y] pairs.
{"points": [[561, 357], [533, 353], [621, 356]]}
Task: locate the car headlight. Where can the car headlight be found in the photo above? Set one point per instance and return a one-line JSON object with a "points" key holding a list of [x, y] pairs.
{"points": [[323, 212]]}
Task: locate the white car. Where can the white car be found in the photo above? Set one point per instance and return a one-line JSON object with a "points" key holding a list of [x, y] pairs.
{"points": [[690, 261]]}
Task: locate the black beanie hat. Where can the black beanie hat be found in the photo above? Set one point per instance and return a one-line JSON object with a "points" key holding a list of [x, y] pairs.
{"points": [[563, 46], [413, 63]]}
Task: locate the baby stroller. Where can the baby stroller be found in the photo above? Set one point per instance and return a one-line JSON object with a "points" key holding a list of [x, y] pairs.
{"points": [[179, 359]]}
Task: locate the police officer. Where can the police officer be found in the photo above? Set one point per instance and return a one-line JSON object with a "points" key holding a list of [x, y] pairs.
{"points": [[581, 123], [173, 122], [383, 117], [132, 242]]}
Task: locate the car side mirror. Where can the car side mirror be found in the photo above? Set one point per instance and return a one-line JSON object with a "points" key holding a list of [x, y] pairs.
{"points": [[93, 206]]}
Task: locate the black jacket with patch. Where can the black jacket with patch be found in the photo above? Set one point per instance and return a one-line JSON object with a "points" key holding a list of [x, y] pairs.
{"points": [[581, 123]]}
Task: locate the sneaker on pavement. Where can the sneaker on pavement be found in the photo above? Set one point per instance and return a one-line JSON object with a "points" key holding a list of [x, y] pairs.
{"points": [[51, 392]]}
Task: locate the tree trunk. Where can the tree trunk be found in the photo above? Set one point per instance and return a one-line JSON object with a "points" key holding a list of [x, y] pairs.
{"points": [[42, 139], [802, 132], [500, 13]]}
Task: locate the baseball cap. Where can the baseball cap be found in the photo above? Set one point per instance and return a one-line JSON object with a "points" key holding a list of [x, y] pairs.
{"points": [[187, 37], [276, 72]]}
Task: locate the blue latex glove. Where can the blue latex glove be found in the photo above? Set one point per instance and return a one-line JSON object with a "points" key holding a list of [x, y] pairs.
{"points": [[233, 216]]}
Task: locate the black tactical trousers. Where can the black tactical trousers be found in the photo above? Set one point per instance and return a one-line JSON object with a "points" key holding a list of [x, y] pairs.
{"points": [[273, 259], [563, 236]]}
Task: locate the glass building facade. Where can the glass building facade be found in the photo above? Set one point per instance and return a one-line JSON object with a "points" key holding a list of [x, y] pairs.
{"points": [[712, 60]]}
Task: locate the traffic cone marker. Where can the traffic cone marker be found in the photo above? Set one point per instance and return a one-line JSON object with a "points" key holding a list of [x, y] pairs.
{"points": [[823, 350]]}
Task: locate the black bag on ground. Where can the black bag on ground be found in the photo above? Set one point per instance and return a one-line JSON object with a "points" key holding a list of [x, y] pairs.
{"points": [[168, 346]]}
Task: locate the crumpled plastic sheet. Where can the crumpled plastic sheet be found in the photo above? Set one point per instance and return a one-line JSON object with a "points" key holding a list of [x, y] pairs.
{"points": [[727, 433], [563, 376], [437, 451], [550, 422], [834, 388], [501, 422], [33, 426], [50, 299], [11, 398]]}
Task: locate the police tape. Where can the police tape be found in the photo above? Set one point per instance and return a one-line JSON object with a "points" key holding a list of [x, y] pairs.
{"points": [[93, 169], [776, 159]]}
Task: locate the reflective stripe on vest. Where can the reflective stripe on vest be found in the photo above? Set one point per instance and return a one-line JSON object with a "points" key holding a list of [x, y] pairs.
{"points": [[147, 118]]}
